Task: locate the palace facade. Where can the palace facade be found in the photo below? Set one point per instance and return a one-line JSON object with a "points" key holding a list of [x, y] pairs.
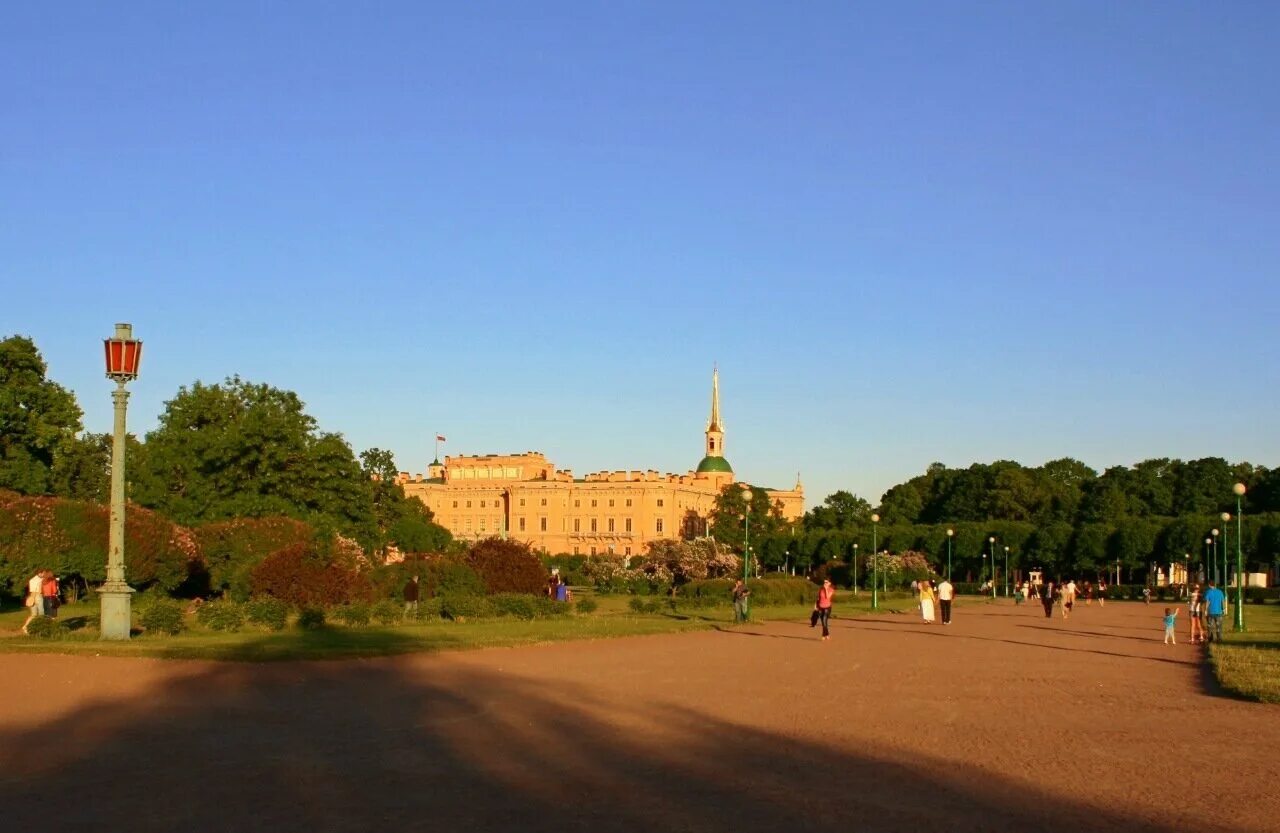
{"points": [[525, 497]]}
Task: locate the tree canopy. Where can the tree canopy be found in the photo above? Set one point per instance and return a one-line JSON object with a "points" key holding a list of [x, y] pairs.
{"points": [[39, 418]]}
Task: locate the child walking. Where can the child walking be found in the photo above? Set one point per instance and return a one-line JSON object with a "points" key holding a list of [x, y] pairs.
{"points": [[1170, 621]]}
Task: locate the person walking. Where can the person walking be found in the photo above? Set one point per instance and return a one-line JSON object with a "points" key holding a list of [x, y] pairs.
{"points": [[411, 594], [822, 608], [740, 594], [35, 598], [1215, 607], [50, 591], [945, 594], [1195, 614], [1102, 594], [1047, 600], [926, 602]]}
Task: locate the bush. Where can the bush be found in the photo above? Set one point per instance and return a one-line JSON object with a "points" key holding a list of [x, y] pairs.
{"points": [[42, 627], [270, 613], [223, 615], [311, 618], [587, 605], [507, 566], [387, 612], [310, 575], [352, 615], [546, 608], [516, 605], [447, 576], [231, 549], [639, 605], [428, 610], [161, 615], [460, 607]]}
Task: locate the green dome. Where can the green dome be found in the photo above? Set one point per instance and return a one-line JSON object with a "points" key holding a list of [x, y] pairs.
{"points": [[710, 463]]}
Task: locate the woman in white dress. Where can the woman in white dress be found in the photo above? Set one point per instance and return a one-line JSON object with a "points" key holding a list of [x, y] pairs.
{"points": [[926, 601]]}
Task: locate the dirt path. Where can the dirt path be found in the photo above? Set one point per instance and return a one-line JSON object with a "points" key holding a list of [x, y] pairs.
{"points": [[1002, 721]]}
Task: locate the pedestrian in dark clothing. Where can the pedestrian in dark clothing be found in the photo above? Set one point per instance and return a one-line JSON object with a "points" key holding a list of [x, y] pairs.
{"points": [[411, 597]]}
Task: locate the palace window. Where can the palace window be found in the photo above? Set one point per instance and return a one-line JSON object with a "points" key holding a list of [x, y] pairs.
{"points": [[628, 524], [610, 503], [522, 501], [544, 501], [543, 522], [628, 501], [660, 502], [593, 550], [577, 504], [468, 524], [575, 551], [468, 504], [522, 524], [482, 525], [627, 551], [455, 504], [659, 525], [611, 524], [611, 549], [593, 525], [593, 504], [482, 504], [577, 524]]}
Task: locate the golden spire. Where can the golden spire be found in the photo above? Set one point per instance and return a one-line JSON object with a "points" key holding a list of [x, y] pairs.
{"points": [[714, 423]]}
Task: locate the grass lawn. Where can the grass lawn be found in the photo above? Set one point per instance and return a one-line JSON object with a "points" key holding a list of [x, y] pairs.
{"points": [[335, 641], [1248, 664]]}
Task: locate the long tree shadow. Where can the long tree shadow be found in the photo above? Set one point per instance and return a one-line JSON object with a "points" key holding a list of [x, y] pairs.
{"points": [[412, 745]]}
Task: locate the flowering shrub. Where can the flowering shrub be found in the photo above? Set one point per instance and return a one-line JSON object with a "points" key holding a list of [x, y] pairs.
{"points": [[231, 549], [70, 538], [507, 566], [304, 574], [670, 561]]}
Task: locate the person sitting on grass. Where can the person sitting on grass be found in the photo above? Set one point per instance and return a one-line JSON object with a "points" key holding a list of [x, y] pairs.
{"points": [[1170, 623]]}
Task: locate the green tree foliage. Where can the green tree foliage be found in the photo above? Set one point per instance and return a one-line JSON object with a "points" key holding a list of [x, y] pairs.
{"points": [[82, 467], [730, 510], [403, 521], [38, 417], [239, 449], [840, 510]]}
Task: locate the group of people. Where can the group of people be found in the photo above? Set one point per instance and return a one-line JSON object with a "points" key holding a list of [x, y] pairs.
{"points": [[933, 594], [1206, 610], [43, 597]]}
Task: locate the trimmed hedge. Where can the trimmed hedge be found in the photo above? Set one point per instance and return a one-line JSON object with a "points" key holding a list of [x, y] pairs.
{"points": [[161, 615], [223, 615], [270, 613]]}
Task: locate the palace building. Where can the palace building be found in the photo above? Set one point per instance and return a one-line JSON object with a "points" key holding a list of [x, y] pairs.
{"points": [[525, 497]]}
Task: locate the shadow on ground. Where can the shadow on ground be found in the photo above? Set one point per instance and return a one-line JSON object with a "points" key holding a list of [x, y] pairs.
{"points": [[405, 744]]}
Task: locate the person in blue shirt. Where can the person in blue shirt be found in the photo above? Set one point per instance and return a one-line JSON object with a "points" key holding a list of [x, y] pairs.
{"points": [[1215, 604]]}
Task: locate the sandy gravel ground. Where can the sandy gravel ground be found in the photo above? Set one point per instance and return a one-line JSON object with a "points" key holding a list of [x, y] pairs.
{"points": [[1003, 721]]}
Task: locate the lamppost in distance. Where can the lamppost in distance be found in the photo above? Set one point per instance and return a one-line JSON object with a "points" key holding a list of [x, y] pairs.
{"points": [[1222, 583], [746, 545], [855, 568], [992, 542], [123, 354], [1225, 517], [875, 564], [1211, 564], [1006, 572], [950, 534], [1239, 489]]}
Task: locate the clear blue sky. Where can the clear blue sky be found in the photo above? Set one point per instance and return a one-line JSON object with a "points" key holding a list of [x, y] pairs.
{"points": [[906, 232]]}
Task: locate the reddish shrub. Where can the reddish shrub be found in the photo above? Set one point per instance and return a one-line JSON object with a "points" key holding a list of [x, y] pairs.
{"points": [[302, 575], [231, 549], [507, 566]]}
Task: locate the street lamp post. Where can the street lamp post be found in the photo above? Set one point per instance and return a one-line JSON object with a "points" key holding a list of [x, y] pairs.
{"points": [[1239, 622], [123, 354], [1222, 576], [855, 568], [992, 542], [950, 534], [1226, 529], [1006, 572], [746, 547], [875, 564], [1186, 575], [1211, 564]]}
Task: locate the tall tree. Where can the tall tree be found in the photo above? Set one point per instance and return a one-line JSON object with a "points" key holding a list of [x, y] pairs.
{"points": [[37, 417], [239, 449], [840, 510]]}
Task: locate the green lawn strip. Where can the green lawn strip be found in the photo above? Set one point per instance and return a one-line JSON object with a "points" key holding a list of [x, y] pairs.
{"points": [[614, 619], [1248, 664]]}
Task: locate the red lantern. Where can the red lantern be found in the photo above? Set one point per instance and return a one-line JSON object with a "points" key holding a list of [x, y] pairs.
{"points": [[123, 354]]}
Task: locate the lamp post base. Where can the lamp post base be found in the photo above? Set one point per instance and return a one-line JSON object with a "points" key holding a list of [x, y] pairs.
{"points": [[115, 615]]}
